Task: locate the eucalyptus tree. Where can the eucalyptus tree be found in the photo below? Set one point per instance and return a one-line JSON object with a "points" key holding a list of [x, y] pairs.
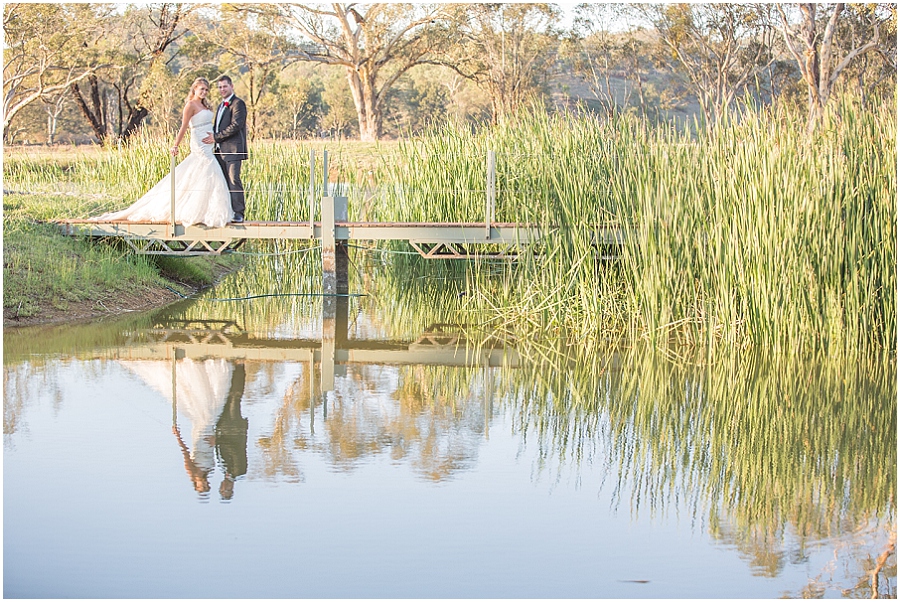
{"points": [[508, 50], [616, 65], [301, 103], [812, 34], [873, 74], [46, 51], [250, 46], [135, 44], [340, 109], [717, 49], [375, 44], [54, 105]]}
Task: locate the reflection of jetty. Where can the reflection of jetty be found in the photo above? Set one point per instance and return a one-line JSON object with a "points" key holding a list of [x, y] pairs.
{"points": [[440, 345], [439, 348]]}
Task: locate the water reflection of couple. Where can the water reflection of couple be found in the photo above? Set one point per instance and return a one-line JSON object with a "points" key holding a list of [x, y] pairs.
{"points": [[208, 393]]}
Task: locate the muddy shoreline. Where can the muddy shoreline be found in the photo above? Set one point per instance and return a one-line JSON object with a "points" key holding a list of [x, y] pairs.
{"points": [[85, 311]]}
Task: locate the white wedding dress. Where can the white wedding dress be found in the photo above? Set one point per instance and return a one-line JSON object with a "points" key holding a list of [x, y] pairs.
{"points": [[201, 390], [201, 192]]}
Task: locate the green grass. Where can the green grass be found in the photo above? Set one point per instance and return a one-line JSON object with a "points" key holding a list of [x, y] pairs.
{"points": [[41, 269]]}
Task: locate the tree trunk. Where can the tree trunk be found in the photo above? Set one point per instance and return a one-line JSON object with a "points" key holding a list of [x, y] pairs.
{"points": [[94, 114], [51, 128], [368, 111], [812, 69], [136, 116], [373, 112], [815, 56]]}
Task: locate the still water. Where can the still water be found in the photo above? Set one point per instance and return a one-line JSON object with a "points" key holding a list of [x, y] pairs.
{"points": [[378, 446]]}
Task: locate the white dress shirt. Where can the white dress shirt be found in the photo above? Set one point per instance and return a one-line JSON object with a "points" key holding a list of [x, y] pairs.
{"points": [[222, 110]]}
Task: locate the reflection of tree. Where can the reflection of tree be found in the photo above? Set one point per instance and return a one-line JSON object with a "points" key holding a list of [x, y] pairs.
{"points": [[871, 576], [437, 429], [441, 428], [278, 447], [14, 397], [26, 382]]}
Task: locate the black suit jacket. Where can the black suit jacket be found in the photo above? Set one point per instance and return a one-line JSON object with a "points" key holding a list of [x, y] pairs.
{"points": [[231, 135]]}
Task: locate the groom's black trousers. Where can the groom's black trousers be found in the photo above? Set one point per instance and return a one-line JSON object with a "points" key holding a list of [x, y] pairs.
{"points": [[232, 171]]}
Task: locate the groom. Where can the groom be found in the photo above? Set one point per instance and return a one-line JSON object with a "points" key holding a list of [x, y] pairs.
{"points": [[230, 137]]}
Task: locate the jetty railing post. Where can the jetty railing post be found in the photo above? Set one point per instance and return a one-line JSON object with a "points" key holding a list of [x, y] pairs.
{"points": [[324, 173], [312, 193], [172, 206], [491, 196]]}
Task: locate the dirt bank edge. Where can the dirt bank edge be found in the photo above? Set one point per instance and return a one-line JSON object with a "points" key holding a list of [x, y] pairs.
{"points": [[143, 299]]}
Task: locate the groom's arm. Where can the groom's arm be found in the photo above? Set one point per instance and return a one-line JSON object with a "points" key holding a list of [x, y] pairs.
{"points": [[238, 120]]}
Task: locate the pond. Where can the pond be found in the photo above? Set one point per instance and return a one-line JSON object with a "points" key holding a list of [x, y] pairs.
{"points": [[380, 446]]}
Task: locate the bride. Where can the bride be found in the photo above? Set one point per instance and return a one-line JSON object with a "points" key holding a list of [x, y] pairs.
{"points": [[201, 193]]}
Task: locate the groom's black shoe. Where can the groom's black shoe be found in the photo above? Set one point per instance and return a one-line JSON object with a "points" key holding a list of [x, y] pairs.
{"points": [[237, 219]]}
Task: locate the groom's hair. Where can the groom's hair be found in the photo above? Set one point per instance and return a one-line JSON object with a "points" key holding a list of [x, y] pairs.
{"points": [[225, 78]]}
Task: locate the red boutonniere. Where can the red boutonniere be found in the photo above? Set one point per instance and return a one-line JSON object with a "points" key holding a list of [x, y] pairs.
{"points": [[226, 104]]}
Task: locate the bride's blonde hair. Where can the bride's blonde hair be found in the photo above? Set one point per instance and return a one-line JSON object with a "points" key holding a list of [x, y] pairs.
{"points": [[197, 82]]}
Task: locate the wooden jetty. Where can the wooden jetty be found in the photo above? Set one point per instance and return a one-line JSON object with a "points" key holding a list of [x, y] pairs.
{"points": [[334, 230]]}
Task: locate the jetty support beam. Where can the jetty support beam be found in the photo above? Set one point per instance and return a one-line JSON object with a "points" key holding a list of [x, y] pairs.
{"points": [[335, 259]]}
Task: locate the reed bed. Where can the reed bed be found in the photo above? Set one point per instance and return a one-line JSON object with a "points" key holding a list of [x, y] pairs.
{"points": [[750, 233]]}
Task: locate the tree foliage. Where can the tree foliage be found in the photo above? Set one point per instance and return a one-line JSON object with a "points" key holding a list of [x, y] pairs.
{"points": [[716, 48], [47, 50], [251, 47], [101, 72], [508, 50], [136, 50], [374, 43], [822, 53]]}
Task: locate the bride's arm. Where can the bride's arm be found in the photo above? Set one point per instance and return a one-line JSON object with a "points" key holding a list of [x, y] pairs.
{"points": [[186, 115]]}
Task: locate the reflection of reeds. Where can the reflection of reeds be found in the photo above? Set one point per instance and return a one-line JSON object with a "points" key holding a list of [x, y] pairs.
{"points": [[758, 446]]}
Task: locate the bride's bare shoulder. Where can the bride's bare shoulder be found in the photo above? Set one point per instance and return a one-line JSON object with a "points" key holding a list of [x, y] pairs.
{"points": [[192, 107]]}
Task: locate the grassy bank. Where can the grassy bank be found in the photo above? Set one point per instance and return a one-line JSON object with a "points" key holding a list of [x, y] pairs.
{"points": [[50, 278]]}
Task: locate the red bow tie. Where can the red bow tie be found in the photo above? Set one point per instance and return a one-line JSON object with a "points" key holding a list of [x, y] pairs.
{"points": [[226, 104]]}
